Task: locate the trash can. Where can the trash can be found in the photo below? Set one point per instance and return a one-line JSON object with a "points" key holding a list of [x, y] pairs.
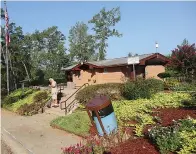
{"points": [[101, 113]]}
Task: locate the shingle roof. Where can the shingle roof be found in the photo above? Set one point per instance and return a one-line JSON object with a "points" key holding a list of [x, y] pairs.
{"points": [[110, 62]]}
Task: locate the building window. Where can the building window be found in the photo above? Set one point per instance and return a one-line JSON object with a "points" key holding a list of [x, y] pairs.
{"points": [[105, 70]]}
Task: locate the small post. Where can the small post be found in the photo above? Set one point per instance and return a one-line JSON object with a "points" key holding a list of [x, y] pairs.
{"points": [[133, 72]]}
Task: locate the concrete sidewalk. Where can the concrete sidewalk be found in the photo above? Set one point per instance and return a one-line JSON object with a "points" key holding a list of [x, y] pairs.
{"points": [[34, 133]]}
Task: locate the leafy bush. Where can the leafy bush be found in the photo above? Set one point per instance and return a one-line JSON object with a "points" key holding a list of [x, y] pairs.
{"points": [[180, 138], [134, 90], [164, 75], [110, 89], [141, 88], [155, 85], [165, 138]]}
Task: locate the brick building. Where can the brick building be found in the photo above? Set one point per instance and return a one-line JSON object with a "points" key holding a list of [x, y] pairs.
{"points": [[115, 70]]}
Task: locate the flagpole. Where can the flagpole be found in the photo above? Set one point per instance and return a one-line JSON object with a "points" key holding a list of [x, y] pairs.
{"points": [[7, 70], [6, 54]]}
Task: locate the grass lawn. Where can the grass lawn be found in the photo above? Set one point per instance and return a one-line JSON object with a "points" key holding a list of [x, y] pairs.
{"points": [[77, 123]]}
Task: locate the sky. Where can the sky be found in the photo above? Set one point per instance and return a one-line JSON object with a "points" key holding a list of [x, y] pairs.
{"points": [[142, 23]]}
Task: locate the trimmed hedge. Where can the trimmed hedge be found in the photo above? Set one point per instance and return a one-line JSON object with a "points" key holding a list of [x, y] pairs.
{"points": [[142, 88], [112, 90], [154, 85], [164, 75]]}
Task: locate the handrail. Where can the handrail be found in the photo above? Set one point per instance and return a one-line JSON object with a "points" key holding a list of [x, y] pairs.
{"points": [[72, 95]]}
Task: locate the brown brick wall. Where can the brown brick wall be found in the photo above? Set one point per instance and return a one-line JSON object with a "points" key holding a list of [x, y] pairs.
{"points": [[151, 71], [115, 74], [98, 76]]}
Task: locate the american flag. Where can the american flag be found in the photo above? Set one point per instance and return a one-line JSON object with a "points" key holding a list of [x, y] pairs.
{"points": [[7, 35]]}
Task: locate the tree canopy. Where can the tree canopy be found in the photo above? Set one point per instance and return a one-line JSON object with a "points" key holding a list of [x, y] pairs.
{"points": [[104, 23], [81, 46]]}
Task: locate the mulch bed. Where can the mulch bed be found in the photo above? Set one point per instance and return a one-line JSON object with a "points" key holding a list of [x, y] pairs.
{"points": [[135, 146], [143, 145], [168, 115]]}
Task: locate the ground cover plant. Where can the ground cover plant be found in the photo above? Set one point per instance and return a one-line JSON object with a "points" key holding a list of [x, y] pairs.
{"points": [[180, 137], [177, 84], [27, 104], [16, 95], [141, 110]]}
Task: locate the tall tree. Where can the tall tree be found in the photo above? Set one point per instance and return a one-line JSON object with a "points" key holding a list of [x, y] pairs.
{"points": [[18, 58], [81, 43], [104, 23], [48, 52]]}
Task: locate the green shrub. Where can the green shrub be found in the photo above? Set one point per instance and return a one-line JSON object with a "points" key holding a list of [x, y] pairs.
{"points": [[164, 75], [112, 90], [136, 89], [166, 138], [155, 85], [141, 88]]}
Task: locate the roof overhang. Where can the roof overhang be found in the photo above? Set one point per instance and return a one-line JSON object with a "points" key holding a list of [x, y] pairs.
{"points": [[156, 55], [91, 66]]}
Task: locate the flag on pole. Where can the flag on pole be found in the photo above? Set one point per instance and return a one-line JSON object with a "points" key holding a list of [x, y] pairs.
{"points": [[7, 35]]}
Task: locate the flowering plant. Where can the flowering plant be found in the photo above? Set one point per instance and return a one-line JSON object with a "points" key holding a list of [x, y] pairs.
{"points": [[98, 145]]}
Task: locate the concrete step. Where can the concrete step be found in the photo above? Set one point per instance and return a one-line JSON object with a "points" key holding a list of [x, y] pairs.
{"points": [[55, 111]]}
